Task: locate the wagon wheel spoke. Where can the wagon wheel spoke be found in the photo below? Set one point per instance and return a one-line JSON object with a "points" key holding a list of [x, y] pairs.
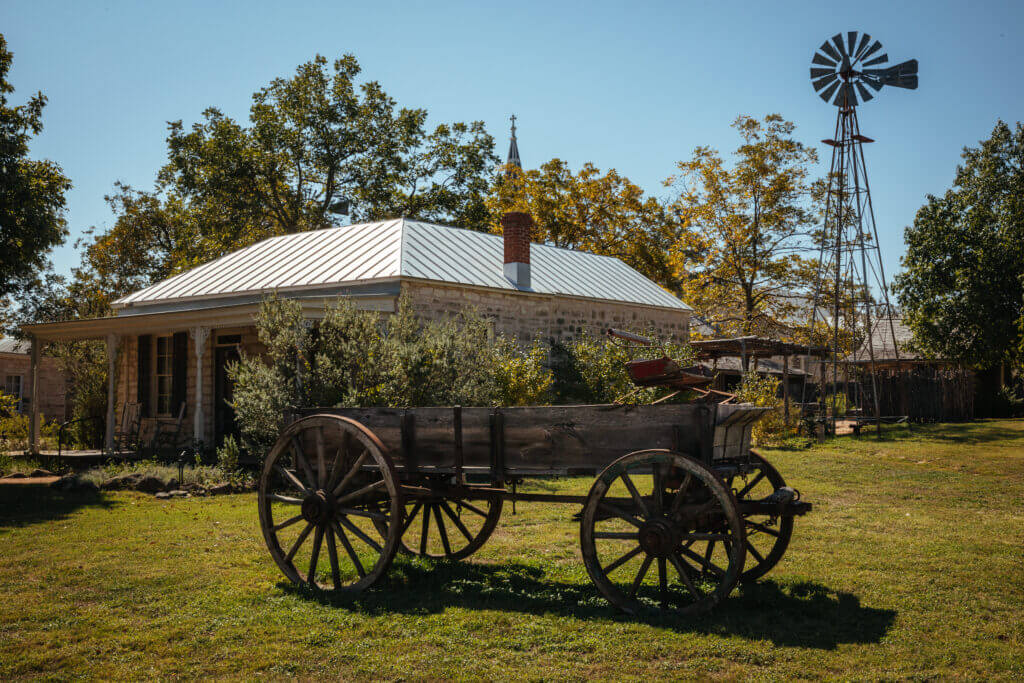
{"points": [[441, 530], [426, 529], [374, 515], [298, 542], [332, 553], [456, 521], [640, 575], [339, 461], [287, 523], [762, 528], [321, 457], [625, 516], [350, 550], [292, 479], [684, 575], [287, 500], [317, 541], [343, 484], [300, 458], [656, 477], [358, 533], [753, 551], [753, 482], [709, 553], [369, 488], [622, 560], [680, 495], [617, 535], [637, 498], [708, 565], [473, 508], [411, 517]]}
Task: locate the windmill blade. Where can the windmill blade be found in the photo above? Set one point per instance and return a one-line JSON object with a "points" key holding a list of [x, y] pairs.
{"points": [[851, 40], [845, 97], [827, 48], [823, 60], [877, 60], [818, 73], [865, 94], [872, 50], [822, 82], [837, 40], [907, 82], [827, 93], [864, 41]]}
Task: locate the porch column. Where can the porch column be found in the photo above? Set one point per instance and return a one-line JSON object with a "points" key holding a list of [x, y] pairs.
{"points": [[33, 381], [113, 342], [199, 336]]}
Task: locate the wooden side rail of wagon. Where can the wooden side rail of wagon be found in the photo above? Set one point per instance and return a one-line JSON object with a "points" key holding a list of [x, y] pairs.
{"points": [[681, 508]]}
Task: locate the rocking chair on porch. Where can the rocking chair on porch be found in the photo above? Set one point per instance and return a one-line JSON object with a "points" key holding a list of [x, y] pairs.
{"points": [[126, 436], [167, 434]]}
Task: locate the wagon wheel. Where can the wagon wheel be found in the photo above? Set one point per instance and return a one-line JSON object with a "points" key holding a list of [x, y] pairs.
{"points": [[329, 505], [448, 529], [679, 547], [767, 537]]}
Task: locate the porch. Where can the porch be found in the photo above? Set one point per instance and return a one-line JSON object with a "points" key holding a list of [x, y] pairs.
{"points": [[170, 364]]}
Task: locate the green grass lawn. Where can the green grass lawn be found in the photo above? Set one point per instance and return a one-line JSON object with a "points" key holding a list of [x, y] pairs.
{"points": [[911, 565]]}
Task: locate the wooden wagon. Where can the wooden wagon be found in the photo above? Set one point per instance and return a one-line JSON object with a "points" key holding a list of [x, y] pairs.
{"points": [[681, 508]]}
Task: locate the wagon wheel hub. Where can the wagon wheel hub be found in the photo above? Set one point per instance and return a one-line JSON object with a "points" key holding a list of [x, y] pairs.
{"points": [[318, 508], [658, 537]]}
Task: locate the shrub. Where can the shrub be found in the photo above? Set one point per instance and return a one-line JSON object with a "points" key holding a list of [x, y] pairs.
{"points": [[360, 358], [764, 391]]}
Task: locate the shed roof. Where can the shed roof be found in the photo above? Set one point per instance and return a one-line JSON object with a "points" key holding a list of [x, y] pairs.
{"points": [[400, 248]]}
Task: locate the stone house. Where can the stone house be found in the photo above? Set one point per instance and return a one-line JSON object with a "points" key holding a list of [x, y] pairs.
{"points": [[15, 373], [169, 344]]}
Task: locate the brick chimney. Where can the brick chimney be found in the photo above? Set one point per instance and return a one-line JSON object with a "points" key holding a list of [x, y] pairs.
{"points": [[516, 227]]}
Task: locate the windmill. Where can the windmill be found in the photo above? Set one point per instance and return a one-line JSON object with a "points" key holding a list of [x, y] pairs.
{"points": [[847, 71]]}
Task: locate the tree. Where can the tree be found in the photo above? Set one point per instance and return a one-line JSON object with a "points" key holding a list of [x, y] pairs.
{"points": [[31, 192], [743, 228], [601, 213], [313, 141], [961, 288]]}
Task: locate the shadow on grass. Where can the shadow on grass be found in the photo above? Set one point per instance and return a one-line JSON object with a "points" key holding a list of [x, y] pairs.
{"points": [[803, 614], [25, 504]]}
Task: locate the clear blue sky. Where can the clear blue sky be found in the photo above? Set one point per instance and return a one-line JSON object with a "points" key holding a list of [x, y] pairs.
{"points": [[630, 85]]}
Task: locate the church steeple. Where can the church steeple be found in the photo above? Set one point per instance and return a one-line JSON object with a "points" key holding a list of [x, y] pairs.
{"points": [[513, 148]]}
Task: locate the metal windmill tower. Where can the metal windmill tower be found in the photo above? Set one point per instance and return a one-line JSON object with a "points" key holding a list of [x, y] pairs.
{"points": [[844, 69]]}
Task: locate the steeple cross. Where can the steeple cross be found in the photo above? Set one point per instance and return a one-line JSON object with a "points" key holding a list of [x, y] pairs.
{"points": [[513, 117]]}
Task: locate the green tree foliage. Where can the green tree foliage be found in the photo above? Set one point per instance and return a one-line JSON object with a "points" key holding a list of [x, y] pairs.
{"points": [[312, 140], [744, 226], [31, 192], [602, 213], [961, 288]]}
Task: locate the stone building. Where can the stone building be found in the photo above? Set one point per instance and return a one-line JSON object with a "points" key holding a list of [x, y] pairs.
{"points": [[169, 344], [15, 380]]}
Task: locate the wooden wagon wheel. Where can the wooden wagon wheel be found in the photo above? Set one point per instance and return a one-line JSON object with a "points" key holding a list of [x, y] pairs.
{"points": [[449, 529], [687, 527], [329, 482], [767, 537]]}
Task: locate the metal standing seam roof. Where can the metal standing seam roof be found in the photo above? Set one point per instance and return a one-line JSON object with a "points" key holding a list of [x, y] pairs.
{"points": [[395, 249]]}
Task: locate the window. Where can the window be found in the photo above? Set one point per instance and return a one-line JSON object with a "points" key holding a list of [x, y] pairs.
{"points": [[12, 387], [164, 372]]}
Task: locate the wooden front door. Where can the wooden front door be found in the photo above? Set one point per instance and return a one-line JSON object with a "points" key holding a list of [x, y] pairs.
{"points": [[223, 392]]}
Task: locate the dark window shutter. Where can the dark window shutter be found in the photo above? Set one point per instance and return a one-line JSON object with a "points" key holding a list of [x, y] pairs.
{"points": [[145, 379], [179, 378]]}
